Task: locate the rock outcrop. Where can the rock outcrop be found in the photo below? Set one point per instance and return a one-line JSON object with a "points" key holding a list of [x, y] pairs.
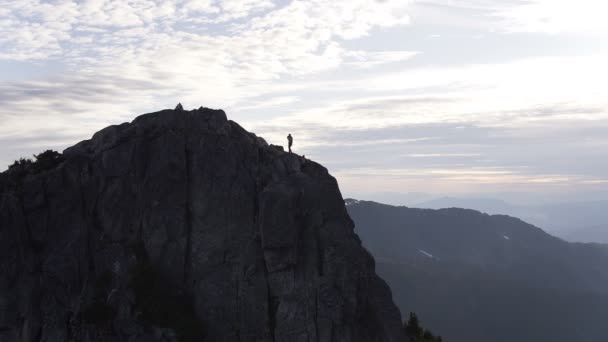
{"points": [[182, 226]]}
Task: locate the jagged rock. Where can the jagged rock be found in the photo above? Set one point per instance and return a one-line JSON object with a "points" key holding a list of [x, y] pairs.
{"points": [[183, 226]]}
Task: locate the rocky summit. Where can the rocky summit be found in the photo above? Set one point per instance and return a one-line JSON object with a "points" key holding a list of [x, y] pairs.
{"points": [[183, 226]]}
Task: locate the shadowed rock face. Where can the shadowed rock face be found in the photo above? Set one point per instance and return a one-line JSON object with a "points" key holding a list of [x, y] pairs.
{"points": [[183, 226]]}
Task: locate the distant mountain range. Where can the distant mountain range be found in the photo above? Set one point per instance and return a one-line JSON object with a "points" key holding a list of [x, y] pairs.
{"points": [[473, 277], [575, 222]]}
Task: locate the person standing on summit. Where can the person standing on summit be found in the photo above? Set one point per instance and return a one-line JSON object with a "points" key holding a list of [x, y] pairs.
{"points": [[289, 141]]}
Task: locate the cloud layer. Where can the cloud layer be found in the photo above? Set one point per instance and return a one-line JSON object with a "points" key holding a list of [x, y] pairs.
{"points": [[426, 95]]}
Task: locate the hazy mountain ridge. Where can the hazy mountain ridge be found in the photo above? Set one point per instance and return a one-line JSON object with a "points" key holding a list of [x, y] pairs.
{"points": [[494, 270], [582, 221]]}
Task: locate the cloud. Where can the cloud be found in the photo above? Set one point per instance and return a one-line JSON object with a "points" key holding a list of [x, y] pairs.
{"points": [[442, 155], [460, 180], [557, 16], [369, 59], [350, 79], [171, 44], [449, 156], [171, 48], [584, 17], [34, 29], [118, 58], [269, 103]]}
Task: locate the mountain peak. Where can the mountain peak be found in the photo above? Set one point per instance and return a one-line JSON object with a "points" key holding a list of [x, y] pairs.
{"points": [[181, 224], [202, 121]]}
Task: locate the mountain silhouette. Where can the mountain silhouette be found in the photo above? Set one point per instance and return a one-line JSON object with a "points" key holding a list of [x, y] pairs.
{"points": [[584, 221], [183, 226], [474, 277]]}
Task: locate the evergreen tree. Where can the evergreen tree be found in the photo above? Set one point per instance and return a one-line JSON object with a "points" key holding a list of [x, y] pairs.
{"points": [[20, 168], [412, 327], [47, 160], [416, 333]]}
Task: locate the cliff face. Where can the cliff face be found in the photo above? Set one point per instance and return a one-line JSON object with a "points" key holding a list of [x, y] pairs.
{"points": [[182, 226]]}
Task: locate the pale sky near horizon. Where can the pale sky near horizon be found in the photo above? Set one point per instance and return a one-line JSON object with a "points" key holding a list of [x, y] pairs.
{"points": [[436, 96]]}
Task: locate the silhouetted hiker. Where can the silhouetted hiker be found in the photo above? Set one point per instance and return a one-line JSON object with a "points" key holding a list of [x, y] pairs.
{"points": [[179, 107], [289, 141]]}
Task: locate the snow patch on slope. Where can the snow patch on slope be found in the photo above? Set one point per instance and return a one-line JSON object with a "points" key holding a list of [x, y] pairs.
{"points": [[351, 202], [426, 254]]}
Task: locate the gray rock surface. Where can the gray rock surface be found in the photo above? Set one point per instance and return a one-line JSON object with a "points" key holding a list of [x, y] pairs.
{"points": [[182, 226]]}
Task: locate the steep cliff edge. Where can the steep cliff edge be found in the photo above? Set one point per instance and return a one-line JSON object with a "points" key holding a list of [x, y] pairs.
{"points": [[182, 226]]}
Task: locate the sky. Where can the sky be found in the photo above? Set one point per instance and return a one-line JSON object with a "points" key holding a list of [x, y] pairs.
{"points": [[497, 98]]}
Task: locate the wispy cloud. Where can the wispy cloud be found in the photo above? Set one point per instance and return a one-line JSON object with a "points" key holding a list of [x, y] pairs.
{"points": [[557, 16], [124, 57], [530, 16], [442, 155]]}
